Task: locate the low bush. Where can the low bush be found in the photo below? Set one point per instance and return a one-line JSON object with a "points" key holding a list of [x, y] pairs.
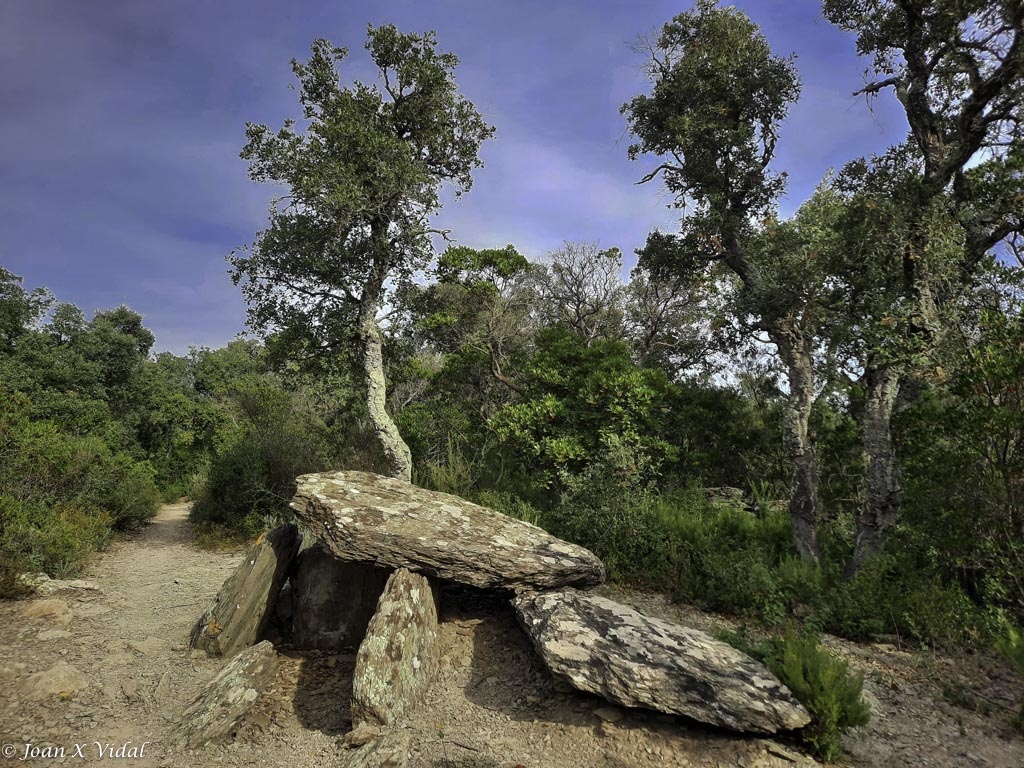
{"points": [[823, 683], [62, 495], [56, 540], [819, 680], [251, 476], [1011, 646]]}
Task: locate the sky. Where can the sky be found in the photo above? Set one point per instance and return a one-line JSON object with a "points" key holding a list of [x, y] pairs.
{"points": [[121, 122]]}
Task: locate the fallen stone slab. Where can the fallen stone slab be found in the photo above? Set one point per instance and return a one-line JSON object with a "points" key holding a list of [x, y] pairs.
{"points": [[245, 604], [398, 659], [600, 646], [216, 712], [333, 600], [369, 518]]}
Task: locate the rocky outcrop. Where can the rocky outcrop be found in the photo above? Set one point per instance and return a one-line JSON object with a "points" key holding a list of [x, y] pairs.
{"points": [[215, 714], [245, 603], [398, 659], [602, 647], [332, 600], [369, 518]]}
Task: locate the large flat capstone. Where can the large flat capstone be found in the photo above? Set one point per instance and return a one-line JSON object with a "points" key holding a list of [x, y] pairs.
{"points": [[365, 517], [606, 648]]}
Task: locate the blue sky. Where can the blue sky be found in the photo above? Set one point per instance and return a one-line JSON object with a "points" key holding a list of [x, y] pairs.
{"points": [[122, 121]]}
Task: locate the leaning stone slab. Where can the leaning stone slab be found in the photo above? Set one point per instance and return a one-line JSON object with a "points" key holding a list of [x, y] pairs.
{"points": [[602, 647], [365, 517], [333, 600], [398, 659], [245, 603], [219, 708]]}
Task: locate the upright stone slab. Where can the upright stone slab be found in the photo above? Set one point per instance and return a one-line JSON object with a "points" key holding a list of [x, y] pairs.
{"points": [[398, 659], [602, 647], [333, 600], [369, 518], [216, 712], [245, 603]]}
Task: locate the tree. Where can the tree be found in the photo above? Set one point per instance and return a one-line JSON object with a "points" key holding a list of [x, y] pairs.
{"points": [[580, 286], [670, 322], [363, 181], [957, 68], [18, 308], [718, 96]]}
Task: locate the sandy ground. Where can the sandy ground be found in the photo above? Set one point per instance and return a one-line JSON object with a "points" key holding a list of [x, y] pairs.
{"points": [[493, 706]]}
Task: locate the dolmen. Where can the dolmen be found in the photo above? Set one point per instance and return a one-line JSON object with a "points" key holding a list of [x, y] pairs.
{"points": [[384, 548]]}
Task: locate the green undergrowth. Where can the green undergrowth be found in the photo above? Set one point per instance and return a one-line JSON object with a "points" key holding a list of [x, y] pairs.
{"points": [[1011, 646], [819, 680]]}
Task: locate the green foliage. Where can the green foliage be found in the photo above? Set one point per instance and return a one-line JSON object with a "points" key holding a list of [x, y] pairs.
{"points": [[819, 680], [897, 594], [251, 477], [970, 426], [718, 97], [728, 560], [1011, 646], [62, 495], [608, 510], [824, 685], [582, 402]]}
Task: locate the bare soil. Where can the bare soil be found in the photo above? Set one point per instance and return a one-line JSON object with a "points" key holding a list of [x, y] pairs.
{"points": [[493, 706]]}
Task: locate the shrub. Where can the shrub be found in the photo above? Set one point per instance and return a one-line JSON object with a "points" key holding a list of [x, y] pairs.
{"points": [[609, 509], [1011, 646], [251, 477], [819, 680], [824, 685], [53, 539]]}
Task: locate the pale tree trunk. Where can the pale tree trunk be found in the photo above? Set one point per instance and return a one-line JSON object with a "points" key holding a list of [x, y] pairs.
{"points": [[884, 493], [371, 353], [803, 504]]}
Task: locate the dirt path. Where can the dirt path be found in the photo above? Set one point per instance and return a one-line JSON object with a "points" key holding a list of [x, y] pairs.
{"points": [[493, 706], [127, 637]]}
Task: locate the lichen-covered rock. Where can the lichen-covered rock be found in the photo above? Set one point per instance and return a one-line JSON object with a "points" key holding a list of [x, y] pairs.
{"points": [[398, 659], [216, 712], [602, 647], [245, 603], [369, 518], [390, 750], [333, 600]]}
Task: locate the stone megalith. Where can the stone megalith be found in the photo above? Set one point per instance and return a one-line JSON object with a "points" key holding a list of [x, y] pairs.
{"points": [[218, 709], [398, 659], [245, 604], [333, 600], [600, 646], [369, 518]]}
